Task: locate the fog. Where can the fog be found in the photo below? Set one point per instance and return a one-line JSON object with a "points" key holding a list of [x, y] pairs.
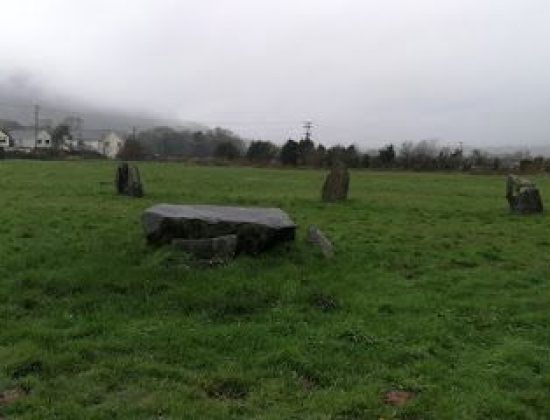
{"points": [[365, 72]]}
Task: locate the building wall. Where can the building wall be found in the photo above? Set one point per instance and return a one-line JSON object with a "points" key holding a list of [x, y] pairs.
{"points": [[112, 143], [4, 140], [43, 140], [94, 145], [106, 143]]}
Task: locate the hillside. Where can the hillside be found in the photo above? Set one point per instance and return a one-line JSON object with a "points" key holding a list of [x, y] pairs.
{"points": [[17, 99]]}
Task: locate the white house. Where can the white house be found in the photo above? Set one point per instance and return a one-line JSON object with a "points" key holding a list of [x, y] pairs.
{"points": [[112, 144], [27, 138], [5, 140], [106, 142]]}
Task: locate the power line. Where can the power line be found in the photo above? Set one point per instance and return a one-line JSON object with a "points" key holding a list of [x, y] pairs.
{"points": [[307, 127], [36, 122]]}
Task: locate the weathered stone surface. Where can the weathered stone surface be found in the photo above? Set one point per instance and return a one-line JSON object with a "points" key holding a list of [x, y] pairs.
{"points": [[523, 196], [257, 229], [121, 178], [128, 181], [135, 187], [336, 184], [316, 237], [220, 248]]}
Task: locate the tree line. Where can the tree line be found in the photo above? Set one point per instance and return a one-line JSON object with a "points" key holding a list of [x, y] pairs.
{"points": [[424, 155], [222, 144]]}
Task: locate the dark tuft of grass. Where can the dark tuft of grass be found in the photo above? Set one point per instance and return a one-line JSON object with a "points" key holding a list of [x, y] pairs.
{"points": [[21, 370], [324, 302], [227, 388]]}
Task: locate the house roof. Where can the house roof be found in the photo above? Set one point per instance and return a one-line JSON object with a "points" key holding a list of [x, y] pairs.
{"points": [[92, 135], [25, 133]]}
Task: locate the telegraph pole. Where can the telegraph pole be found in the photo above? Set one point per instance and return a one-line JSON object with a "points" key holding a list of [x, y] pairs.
{"points": [[36, 122], [308, 125]]}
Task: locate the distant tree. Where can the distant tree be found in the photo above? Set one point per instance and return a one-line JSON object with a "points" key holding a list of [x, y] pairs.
{"points": [[365, 160], [320, 155], [289, 153], [198, 136], [74, 123], [315, 157], [261, 151], [457, 158], [60, 133], [336, 155], [405, 156], [443, 160], [538, 162], [478, 157], [201, 145], [387, 155], [167, 141], [449, 159], [227, 150], [306, 152], [425, 155], [526, 165], [222, 135], [351, 157], [132, 150]]}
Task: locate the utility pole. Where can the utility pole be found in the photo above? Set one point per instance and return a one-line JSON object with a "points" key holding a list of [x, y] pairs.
{"points": [[36, 122], [308, 125]]}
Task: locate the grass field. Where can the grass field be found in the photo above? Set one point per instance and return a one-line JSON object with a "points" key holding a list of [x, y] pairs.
{"points": [[435, 289]]}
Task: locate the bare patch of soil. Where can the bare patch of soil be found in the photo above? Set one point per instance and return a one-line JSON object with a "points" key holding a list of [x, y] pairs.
{"points": [[398, 398]]}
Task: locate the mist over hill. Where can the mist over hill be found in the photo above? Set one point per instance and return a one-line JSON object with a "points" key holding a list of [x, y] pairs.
{"points": [[19, 94]]}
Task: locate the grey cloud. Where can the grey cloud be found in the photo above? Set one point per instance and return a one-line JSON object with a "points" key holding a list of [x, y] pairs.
{"points": [[364, 71]]}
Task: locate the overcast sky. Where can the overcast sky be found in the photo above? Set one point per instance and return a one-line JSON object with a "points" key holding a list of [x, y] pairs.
{"points": [[364, 71]]}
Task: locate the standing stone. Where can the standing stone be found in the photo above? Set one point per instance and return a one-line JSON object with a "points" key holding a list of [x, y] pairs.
{"points": [[336, 184], [121, 178], [135, 187], [128, 181], [316, 237], [523, 196]]}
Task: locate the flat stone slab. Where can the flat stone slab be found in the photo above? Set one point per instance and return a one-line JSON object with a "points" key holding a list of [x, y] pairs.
{"points": [[222, 248], [257, 228]]}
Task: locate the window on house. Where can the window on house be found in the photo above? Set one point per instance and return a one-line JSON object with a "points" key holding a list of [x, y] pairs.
{"points": [[39, 142], [47, 142]]}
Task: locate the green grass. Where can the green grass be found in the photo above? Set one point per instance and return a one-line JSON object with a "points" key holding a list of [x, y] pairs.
{"points": [[434, 289]]}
